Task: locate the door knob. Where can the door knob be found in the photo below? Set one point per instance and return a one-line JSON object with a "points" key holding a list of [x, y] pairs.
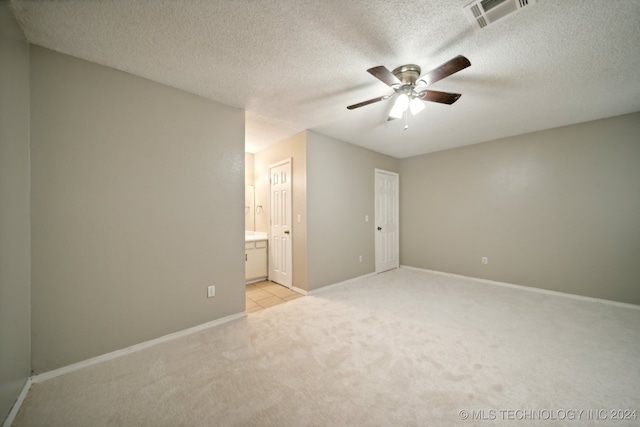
{"points": [[379, 228], [286, 232]]}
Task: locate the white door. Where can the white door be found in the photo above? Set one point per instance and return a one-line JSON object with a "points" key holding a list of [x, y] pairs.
{"points": [[280, 242], [386, 221]]}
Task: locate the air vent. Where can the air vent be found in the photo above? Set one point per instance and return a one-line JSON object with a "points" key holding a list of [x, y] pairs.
{"points": [[481, 13]]}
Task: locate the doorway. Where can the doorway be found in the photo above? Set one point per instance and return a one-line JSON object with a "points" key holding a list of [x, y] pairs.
{"points": [[280, 236], [387, 236]]}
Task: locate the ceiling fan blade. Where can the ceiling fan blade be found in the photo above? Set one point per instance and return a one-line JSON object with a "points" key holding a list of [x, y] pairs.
{"points": [[445, 70], [363, 103], [384, 75], [441, 97]]}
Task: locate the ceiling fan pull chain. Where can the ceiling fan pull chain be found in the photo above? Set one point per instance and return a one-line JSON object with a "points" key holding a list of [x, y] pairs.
{"points": [[406, 119]]}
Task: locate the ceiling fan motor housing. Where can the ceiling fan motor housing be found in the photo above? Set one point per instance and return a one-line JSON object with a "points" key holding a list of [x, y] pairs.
{"points": [[407, 74]]}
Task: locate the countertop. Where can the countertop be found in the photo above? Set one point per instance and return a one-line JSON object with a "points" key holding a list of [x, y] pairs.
{"points": [[255, 236]]}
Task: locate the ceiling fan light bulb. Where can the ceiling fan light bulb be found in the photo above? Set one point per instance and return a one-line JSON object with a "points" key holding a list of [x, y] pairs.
{"points": [[395, 114], [400, 106], [403, 102], [416, 106]]}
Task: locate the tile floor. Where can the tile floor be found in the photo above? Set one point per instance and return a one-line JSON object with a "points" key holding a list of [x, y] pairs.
{"points": [[266, 294]]}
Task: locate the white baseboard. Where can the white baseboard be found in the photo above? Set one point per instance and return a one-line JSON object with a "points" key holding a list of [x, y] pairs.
{"points": [[134, 348], [324, 288], [16, 406], [530, 289], [300, 291]]}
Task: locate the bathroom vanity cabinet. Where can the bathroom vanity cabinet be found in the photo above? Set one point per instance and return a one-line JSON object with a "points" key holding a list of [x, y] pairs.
{"points": [[255, 257]]}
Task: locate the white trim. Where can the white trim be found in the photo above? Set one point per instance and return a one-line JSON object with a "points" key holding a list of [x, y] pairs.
{"points": [[530, 288], [18, 403], [133, 349], [300, 291], [260, 279], [324, 288], [282, 162]]}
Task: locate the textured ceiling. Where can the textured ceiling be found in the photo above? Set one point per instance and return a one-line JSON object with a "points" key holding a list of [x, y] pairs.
{"points": [[296, 64]]}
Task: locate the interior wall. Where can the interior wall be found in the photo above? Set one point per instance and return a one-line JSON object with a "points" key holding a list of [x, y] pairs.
{"points": [[249, 169], [137, 201], [294, 148], [15, 246], [340, 188], [556, 209], [249, 192]]}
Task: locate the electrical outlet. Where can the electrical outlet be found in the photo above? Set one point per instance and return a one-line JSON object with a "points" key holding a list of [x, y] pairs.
{"points": [[360, 258], [211, 291], [485, 260], [366, 218]]}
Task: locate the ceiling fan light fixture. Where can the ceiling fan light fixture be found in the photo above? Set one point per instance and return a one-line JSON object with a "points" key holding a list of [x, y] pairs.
{"points": [[405, 79], [400, 106], [416, 106]]}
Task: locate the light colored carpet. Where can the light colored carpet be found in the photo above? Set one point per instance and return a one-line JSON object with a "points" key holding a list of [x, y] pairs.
{"points": [[403, 348]]}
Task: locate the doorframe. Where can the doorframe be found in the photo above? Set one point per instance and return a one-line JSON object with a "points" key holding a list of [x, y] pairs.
{"points": [[375, 220], [288, 160]]}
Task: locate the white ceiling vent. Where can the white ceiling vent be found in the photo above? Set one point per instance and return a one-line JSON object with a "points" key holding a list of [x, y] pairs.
{"points": [[484, 12]]}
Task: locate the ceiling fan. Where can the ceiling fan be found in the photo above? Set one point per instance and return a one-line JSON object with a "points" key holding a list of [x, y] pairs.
{"points": [[407, 84]]}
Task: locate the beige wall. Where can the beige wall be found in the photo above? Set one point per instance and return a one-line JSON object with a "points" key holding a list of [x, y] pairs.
{"points": [[340, 188], [137, 196], [249, 190], [294, 148], [15, 259], [557, 209], [249, 169]]}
